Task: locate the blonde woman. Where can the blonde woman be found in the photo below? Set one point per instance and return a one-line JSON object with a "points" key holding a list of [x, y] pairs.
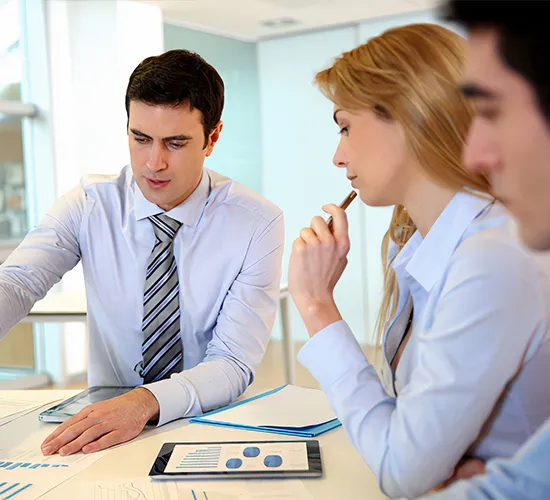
{"points": [[463, 323]]}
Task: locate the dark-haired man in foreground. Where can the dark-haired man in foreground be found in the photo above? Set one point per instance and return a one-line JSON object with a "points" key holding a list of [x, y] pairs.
{"points": [[181, 265], [508, 78]]}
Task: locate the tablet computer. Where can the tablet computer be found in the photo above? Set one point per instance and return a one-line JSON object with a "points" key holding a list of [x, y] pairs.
{"points": [[238, 460], [70, 407]]}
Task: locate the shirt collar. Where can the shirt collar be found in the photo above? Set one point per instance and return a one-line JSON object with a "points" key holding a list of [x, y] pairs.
{"points": [[426, 259], [187, 213]]}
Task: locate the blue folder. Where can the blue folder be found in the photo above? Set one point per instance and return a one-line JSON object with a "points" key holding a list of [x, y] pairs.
{"points": [[306, 432]]}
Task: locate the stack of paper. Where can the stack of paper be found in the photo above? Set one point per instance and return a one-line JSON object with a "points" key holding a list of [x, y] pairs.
{"points": [[15, 407], [289, 410]]}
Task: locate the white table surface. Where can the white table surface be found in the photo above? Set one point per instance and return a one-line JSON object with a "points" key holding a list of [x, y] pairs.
{"points": [[346, 476]]}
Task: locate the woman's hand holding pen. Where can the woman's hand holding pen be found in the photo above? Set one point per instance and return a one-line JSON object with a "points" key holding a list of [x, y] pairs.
{"points": [[319, 257]]}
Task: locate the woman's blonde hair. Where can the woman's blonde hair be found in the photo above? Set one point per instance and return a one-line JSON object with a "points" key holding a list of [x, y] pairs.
{"points": [[410, 74]]}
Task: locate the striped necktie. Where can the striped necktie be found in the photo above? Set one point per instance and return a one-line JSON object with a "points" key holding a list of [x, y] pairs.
{"points": [[162, 348]]}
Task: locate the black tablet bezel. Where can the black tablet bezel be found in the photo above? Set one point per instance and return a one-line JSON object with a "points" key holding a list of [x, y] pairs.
{"points": [[313, 454]]}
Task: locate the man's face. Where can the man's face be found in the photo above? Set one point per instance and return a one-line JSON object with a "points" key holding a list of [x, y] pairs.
{"points": [[167, 151], [509, 138]]}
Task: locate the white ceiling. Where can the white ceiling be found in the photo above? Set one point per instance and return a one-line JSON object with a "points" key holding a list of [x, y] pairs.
{"points": [[242, 19]]}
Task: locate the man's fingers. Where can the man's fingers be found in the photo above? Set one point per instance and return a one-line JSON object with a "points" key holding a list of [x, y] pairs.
{"points": [[81, 415], [466, 469], [88, 436], [68, 435], [108, 440], [469, 468]]}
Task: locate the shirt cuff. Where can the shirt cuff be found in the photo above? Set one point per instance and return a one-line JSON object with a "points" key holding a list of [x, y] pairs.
{"points": [[172, 397], [336, 347]]}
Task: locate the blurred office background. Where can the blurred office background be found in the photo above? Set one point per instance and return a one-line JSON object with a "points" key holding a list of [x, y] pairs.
{"points": [[64, 66]]}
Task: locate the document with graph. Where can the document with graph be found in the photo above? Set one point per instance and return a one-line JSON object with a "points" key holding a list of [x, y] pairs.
{"points": [[25, 473]]}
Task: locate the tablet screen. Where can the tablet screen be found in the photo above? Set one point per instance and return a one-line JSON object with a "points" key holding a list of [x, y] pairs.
{"points": [[283, 456]]}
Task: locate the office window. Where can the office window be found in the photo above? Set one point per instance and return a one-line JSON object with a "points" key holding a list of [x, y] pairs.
{"points": [[25, 163], [10, 51], [13, 214]]}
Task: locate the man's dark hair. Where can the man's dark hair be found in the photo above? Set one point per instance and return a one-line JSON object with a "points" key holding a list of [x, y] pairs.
{"points": [[523, 36], [179, 77]]}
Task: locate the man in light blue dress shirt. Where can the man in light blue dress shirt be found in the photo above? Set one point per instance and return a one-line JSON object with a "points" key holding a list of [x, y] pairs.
{"points": [[508, 77], [182, 266]]}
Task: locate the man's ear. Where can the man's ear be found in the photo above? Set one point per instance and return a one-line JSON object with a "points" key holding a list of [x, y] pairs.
{"points": [[213, 138]]}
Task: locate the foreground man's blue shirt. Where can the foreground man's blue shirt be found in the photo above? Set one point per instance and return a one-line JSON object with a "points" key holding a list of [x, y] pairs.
{"points": [[526, 476]]}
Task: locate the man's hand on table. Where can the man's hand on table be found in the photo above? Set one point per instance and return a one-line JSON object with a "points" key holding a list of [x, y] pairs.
{"points": [[104, 424]]}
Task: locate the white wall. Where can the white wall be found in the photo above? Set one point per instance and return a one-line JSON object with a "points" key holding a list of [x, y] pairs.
{"points": [[298, 141], [238, 153]]}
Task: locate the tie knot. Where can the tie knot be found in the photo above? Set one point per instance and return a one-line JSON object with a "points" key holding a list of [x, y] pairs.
{"points": [[165, 227]]}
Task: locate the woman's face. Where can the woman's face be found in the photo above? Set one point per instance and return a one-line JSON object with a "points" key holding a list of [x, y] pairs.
{"points": [[374, 152]]}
